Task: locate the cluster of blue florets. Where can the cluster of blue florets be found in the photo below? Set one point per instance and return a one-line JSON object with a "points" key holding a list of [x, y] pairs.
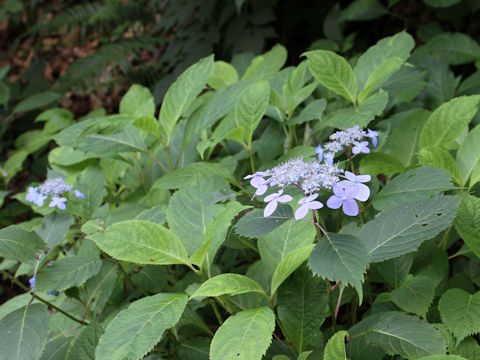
{"points": [[317, 175], [55, 189]]}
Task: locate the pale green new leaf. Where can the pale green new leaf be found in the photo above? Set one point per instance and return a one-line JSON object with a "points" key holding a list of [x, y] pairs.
{"points": [[288, 265], [401, 230], [340, 258], [401, 334], [138, 101], [91, 183], [379, 76], [254, 224], [250, 108], [460, 312], [23, 333], [448, 121], [223, 74], [141, 242], [244, 336], [312, 111], [467, 222], [135, 331], [290, 236], [267, 65], [335, 348], [440, 158], [416, 184], [181, 94], [302, 306], [18, 244], [227, 284], [67, 272], [415, 295], [468, 157], [334, 72]]}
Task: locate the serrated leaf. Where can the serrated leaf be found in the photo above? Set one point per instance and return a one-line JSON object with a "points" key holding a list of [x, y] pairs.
{"points": [[250, 108], [66, 272], [194, 349], [415, 295], [54, 228], [56, 349], [395, 270], [141, 242], [244, 336], [335, 348], [312, 111], [467, 222], [334, 72], [340, 258], [448, 121], [302, 306], [440, 158], [183, 177], [227, 284], [416, 184], [290, 236], [454, 48], [405, 335], [138, 102], [360, 115], [99, 288], [84, 346], [147, 123], [223, 75], [135, 330], [288, 265], [460, 311], [23, 333], [90, 183], [181, 94], [36, 101], [254, 224], [401, 230], [18, 244], [380, 163], [468, 157], [195, 206], [16, 303]]}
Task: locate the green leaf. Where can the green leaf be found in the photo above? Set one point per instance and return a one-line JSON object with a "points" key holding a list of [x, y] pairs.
{"points": [[230, 284], [54, 228], [99, 288], [460, 311], [335, 348], [468, 157], [84, 346], [91, 183], [288, 265], [244, 336], [340, 258], [148, 124], [405, 335], [4, 94], [16, 303], [302, 306], [267, 65], [18, 244], [380, 163], [454, 48], [381, 61], [290, 236], [183, 177], [194, 349], [14, 164], [440, 158], [56, 349], [141, 242], [360, 115], [401, 230], [250, 108], [66, 156], [23, 333], [467, 222], [313, 111], [395, 270], [138, 102], [181, 94], [403, 143], [35, 101], [448, 121], [334, 72], [417, 184], [254, 224], [415, 295], [191, 209], [222, 76], [66, 272], [443, 357], [135, 330]]}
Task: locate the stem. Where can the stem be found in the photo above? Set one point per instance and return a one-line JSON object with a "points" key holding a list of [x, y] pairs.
{"points": [[443, 242], [330, 306], [315, 222], [164, 168], [347, 151], [25, 288], [252, 163], [129, 279], [339, 300], [216, 311]]}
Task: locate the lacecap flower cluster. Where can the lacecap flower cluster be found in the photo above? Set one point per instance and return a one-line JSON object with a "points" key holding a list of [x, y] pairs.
{"points": [[53, 188], [317, 175]]}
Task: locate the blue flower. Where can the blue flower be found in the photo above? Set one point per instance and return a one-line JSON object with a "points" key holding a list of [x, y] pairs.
{"points": [[32, 281], [307, 203], [360, 147], [344, 198], [79, 194], [59, 202], [273, 200], [356, 181], [52, 292], [373, 135], [319, 151], [328, 158], [34, 196]]}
